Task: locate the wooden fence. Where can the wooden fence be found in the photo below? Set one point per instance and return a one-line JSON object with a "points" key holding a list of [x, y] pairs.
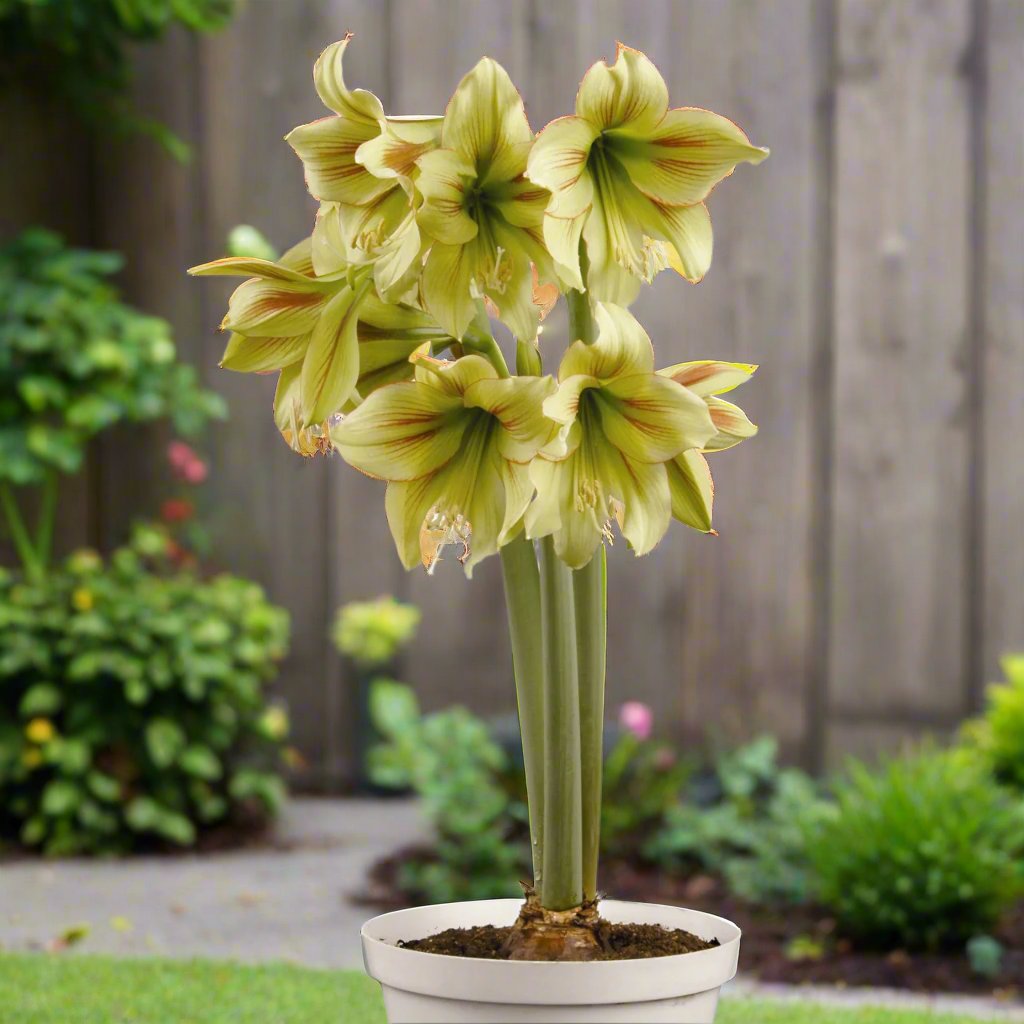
{"points": [[870, 567]]}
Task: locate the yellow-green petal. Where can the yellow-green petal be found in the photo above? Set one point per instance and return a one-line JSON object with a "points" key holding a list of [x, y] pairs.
{"points": [[630, 96], [357, 104], [453, 376], [687, 229], [248, 266], [731, 425], [447, 275], [562, 238], [517, 402], [445, 179], [402, 141], [709, 376], [692, 490], [686, 155], [273, 309], [330, 368], [260, 355], [641, 498], [622, 347], [563, 406], [327, 150], [401, 432], [558, 162]]}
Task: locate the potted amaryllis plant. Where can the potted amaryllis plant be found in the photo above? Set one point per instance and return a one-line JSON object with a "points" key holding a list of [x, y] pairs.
{"points": [[432, 230]]}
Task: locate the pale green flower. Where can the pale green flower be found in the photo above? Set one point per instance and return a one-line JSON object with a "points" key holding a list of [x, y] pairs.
{"points": [[630, 175], [484, 217], [621, 424], [454, 445]]}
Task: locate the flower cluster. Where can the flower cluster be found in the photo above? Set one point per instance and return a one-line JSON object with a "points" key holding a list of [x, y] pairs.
{"points": [[430, 226]]}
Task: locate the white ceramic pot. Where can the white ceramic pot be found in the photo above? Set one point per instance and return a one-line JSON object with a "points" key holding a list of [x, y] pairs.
{"points": [[424, 988]]}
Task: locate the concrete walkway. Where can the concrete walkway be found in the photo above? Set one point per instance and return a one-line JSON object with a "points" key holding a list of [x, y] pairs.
{"points": [[286, 901]]}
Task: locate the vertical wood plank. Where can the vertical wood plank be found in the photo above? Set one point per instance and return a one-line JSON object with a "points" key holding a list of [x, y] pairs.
{"points": [[902, 252], [1002, 316], [462, 652]]}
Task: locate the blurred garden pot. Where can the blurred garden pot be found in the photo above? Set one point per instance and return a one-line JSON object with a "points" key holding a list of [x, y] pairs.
{"points": [[427, 987]]}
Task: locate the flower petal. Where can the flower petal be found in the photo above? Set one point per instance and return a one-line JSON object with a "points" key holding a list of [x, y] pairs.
{"points": [[686, 155], [709, 376], [731, 424], [577, 528], [651, 418], [248, 266], [630, 96], [447, 275], [331, 366], [327, 149], [563, 406], [306, 440], [393, 153], [641, 489], [273, 309], [299, 258], [687, 229], [615, 247], [692, 490], [622, 347], [562, 237], [517, 403], [444, 182], [521, 202], [515, 477], [260, 355], [486, 122], [558, 162], [357, 104], [401, 432], [453, 376], [407, 504]]}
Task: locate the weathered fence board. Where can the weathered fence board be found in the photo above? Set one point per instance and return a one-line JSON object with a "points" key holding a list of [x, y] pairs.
{"points": [[869, 567]]}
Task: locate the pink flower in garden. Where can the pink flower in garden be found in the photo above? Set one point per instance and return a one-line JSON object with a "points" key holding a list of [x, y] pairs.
{"points": [[195, 472], [636, 718], [185, 464]]}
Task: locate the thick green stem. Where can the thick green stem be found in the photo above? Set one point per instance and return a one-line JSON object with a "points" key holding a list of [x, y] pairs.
{"points": [[562, 872], [47, 517], [590, 592], [480, 340], [19, 533], [581, 316], [522, 599]]}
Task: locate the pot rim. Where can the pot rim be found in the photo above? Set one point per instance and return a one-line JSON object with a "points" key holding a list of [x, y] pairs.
{"points": [[539, 982]]}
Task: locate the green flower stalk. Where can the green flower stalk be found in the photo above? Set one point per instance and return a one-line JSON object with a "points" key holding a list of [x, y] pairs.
{"points": [[379, 326]]}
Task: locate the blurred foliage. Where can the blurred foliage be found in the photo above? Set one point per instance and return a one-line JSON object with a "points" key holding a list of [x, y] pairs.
{"points": [[245, 240], [450, 760], [745, 821], [78, 50], [132, 706], [923, 852], [998, 735], [986, 955], [371, 633], [75, 361]]}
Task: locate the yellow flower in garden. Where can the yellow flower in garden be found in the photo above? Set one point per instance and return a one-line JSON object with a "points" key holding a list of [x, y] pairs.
{"points": [[689, 475], [454, 445], [630, 175], [484, 216], [360, 164], [332, 342], [40, 730], [274, 723], [82, 599], [622, 423]]}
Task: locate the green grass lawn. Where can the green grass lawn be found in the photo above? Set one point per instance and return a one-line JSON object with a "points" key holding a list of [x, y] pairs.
{"points": [[40, 989]]}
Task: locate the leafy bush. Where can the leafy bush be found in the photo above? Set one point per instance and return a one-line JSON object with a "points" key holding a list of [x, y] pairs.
{"points": [[453, 764], [999, 734], [131, 702], [79, 50], [746, 821], [371, 633], [74, 360], [921, 853]]}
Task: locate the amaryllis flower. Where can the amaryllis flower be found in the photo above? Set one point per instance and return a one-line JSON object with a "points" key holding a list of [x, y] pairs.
{"points": [[631, 176], [637, 718], [622, 423], [484, 217], [689, 474], [332, 343], [454, 445]]}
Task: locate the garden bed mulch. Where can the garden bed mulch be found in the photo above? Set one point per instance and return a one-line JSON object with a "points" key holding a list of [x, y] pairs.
{"points": [[771, 935]]}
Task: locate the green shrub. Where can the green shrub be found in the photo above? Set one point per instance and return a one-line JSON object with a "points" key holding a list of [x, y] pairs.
{"points": [[998, 736], [450, 760], [132, 708], [747, 823], [921, 853], [371, 633], [79, 50]]}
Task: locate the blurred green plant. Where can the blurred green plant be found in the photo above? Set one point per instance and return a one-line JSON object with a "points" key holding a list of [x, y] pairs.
{"points": [[747, 822], [450, 760], [133, 705], [245, 240], [986, 955], [75, 361], [998, 735], [372, 633], [78, 50], [923, 852]]}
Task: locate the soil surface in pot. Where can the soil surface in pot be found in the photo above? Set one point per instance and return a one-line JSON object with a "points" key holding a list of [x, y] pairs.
{"points": [[617, 941], [793, 945]]}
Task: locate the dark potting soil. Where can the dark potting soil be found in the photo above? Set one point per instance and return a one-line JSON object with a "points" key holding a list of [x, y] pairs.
{"points": [[618, 941], [775, 946]]}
